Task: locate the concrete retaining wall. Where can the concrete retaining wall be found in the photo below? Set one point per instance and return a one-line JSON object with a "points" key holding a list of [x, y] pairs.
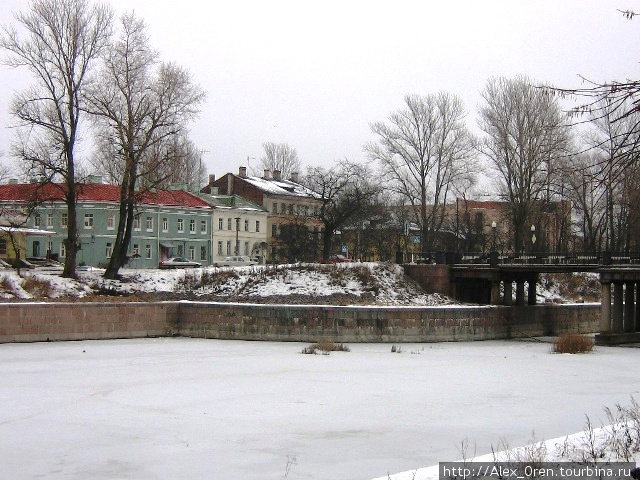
{"points": [[27, 322], [39, 322]]}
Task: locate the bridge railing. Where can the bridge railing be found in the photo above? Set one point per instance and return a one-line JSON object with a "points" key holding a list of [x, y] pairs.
{"points": [[533, 258]]}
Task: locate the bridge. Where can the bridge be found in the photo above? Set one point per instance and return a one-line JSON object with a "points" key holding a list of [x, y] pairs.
{"points": [[493, 279]]}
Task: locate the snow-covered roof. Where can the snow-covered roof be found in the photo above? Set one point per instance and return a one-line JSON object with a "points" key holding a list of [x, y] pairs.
{"points": [[25, 231], [280, 187]]}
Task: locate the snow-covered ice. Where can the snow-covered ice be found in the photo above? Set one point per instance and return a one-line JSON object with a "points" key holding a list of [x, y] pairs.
{"points": [[207, 409]]}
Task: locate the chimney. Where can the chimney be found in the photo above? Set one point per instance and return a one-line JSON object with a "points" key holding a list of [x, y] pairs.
{"points": [[242, 172], [267, 174], [294, 177], [229, 184], [277, 175], [212, 178]]}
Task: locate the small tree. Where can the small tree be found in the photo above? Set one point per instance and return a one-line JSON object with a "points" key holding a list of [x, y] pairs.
{"points": [[346, 193]]}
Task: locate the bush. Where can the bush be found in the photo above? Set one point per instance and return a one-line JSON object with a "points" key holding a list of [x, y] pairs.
{"points": [[572, 343], [36, 287], [325, 347]]}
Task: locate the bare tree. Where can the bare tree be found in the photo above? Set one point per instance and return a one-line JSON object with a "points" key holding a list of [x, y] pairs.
{"points": [[183, 165], [282, 157], [139, 111], [346, 192], [526, 136], [59, 42], [424, 150]]}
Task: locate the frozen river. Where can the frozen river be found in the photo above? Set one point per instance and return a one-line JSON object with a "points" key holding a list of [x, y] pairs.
{"points": [[207, 409]]}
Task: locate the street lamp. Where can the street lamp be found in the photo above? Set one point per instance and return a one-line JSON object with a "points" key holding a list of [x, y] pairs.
{"points": [[494, 254], [533, 238], [494, 225]]}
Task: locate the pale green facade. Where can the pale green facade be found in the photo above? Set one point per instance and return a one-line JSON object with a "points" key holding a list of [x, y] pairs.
{"points": [[159, 232]]}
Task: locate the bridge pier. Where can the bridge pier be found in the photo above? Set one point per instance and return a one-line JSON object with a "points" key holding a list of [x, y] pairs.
{"points": [[629, 310], [620, 307], [532, 296], [519, 292], [508, 292], [605, 307], [637, 329]]}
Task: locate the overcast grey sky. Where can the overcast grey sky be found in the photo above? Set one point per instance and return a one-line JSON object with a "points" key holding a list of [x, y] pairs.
{"points": [[315, 74]]}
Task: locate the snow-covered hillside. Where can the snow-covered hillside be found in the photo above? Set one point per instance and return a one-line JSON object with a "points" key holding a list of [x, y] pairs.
{"points": [[348, 283]]}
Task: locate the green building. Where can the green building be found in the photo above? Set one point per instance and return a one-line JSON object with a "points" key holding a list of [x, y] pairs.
{"points": [[168, 223]]}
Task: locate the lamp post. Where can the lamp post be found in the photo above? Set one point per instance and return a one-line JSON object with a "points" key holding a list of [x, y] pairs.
{"points": [[494, 253], [533, 239]]}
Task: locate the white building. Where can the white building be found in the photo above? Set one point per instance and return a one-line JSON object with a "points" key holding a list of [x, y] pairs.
{"points": [[239, 227]]}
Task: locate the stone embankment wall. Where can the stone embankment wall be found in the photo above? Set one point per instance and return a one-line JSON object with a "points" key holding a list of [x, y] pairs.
{"points": [[35, 322]]}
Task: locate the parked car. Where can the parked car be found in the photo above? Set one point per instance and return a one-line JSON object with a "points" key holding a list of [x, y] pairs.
{"points": [[179, 262], [339, 259], [236, 261]]}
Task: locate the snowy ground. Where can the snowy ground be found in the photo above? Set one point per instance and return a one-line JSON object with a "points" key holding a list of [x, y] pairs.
{"points": [[371, 283], [351, 283], [208, 409]]}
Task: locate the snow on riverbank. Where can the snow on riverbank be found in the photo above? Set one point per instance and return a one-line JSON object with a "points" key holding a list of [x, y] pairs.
{"points": [[375, 283], [351, 283]]}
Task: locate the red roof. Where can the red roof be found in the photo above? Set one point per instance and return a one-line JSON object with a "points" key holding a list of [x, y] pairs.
{"points": [[97, 192]]}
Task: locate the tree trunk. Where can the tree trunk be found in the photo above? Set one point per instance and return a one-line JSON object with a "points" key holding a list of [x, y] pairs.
{"points": [[71, 243]]}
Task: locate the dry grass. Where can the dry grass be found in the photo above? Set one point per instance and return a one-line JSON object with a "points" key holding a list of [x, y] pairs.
{"points": [[573, 343], [37, 288], [324, 347]]}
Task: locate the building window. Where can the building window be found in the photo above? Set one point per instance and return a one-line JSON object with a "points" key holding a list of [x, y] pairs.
{"points": [[274, 230], [192, 253], [88, 220], [246, 225], [50, 220], [275, 207], [147, 249], [165, 224], [109, 250], [49, 247], [203, 226], [180, 225], [228, 247], [3, 246], [192, 226], [111, 221], [257, 226], [63, 250], [220, 224], [228, 224], [136, 222], [180, 251], [136, 249], [220, 248], [203, 253], [36, 220], [149, 224], [64, 220], [35, 249], [246, 248], [291, 209]]}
